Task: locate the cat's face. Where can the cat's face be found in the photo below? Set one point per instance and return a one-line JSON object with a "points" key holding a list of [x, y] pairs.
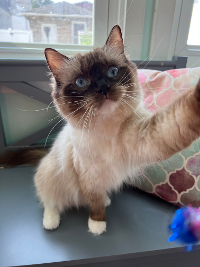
{"points": [[97, 83]]}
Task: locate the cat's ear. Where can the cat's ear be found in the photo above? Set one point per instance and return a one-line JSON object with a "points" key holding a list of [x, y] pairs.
{"points": [[115, 38], [55, 60]]}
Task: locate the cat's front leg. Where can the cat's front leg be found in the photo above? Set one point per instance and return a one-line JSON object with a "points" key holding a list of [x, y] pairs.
{"points": [[51, 217], [96, 202], [95, 226], [97, 219], [166, 132]]}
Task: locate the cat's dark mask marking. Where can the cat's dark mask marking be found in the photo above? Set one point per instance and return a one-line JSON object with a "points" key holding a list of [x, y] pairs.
{"points": [[92, 66]]}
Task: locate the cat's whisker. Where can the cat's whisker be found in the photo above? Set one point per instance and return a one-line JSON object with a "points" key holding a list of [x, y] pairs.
{"points": [[123, 84], [52, 130], [123, 104], [48, 107], [32, 109], [132, 98], [61, 120], [120, 109], [145, 60], [84, 125], [129, 74], [81, 118], [54, 118], [63, 103], [89, 143], [69, 96], [121, 78], [132, 109], [154, 52], [127, 84], [131, 91], [65, 97], [76, 127]]}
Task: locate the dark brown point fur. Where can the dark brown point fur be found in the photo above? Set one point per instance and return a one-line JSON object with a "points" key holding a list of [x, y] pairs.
{"points": [[197, 90], [30, 156], [96, 203]]}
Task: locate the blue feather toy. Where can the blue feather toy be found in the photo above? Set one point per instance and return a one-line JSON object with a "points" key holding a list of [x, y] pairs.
{"points": [[185, 227]]}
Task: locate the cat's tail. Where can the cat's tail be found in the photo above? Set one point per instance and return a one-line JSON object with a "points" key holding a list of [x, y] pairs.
{"points": [[24, 156]]}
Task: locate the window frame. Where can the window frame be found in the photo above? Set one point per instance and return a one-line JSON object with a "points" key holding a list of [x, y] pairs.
{"points": [[181, 46], [127, 13], [170, 30], [180, 30], [35, 51]]}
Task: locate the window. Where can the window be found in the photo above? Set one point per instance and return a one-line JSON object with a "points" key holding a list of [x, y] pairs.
{"points": [[193, 36], [175, 31], [72, 26], [188, 41], [29, 17], [68, 26]]}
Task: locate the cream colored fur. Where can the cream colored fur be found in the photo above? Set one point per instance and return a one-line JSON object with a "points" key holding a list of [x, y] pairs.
{"points": [[96, 155]]}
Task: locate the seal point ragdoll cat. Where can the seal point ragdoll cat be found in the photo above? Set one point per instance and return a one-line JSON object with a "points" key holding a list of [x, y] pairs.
{"points": [[109, 134]]}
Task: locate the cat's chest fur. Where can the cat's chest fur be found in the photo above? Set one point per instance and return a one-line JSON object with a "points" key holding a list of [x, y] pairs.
{"points": [[99, 154]]}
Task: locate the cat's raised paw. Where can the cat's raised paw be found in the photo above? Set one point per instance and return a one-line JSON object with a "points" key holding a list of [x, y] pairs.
{"points": [[51, 219], [96, 227]]}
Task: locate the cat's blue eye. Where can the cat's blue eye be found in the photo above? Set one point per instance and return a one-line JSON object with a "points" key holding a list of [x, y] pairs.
{"points": [[81, 82], [112, 72]]}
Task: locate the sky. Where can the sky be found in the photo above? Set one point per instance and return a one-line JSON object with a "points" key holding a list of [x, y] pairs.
{"points": [[73, 1]]}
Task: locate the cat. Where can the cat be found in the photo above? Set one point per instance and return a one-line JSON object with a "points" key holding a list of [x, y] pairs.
{"points": [[109, 135]]}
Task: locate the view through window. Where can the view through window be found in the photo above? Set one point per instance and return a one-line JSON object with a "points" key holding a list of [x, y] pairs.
{"points": [[46, 21], [194, 37]]}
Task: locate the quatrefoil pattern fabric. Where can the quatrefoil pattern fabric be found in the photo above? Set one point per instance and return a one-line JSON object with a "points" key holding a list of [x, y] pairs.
{"points": [[177, 179]]}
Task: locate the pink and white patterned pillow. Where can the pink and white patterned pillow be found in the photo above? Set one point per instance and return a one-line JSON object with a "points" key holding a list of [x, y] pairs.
{"points": [[176, 180]]}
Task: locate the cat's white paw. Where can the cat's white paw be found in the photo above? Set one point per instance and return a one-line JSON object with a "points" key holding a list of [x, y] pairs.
{"points": [[107, 201], [51, 219], [96, 227]]}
